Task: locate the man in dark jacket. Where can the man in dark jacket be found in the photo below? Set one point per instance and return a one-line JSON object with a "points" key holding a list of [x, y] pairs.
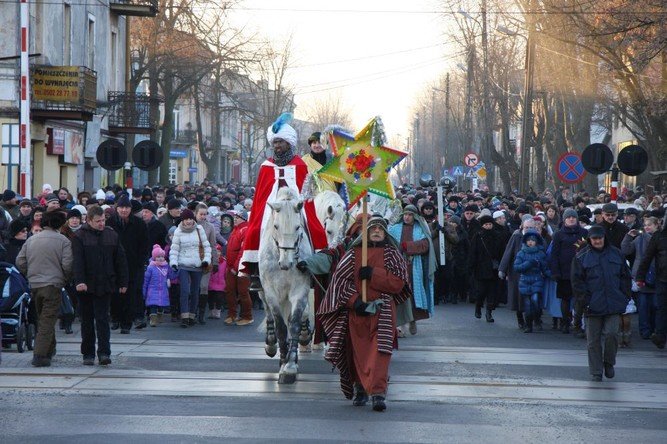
{"points": [[657, 251], [486, 251], [615, 230], [133, 236], [100, 273], [601, 278], [173, 215]]}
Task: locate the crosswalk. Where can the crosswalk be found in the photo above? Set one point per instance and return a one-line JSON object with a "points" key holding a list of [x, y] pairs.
{"points": [[126, 377]]}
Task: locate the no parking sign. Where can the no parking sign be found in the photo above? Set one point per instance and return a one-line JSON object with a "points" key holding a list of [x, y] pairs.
{"points": [[569, 168]]}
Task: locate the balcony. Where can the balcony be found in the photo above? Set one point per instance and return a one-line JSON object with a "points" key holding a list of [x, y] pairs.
{"points": [[63, 92], [130, 113], [185, 137], [138, 8]]}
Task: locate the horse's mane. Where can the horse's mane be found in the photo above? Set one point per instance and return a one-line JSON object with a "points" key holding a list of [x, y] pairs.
{"points": [[286, 194]]}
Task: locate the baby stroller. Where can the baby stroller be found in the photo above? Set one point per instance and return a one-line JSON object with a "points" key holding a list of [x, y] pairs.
{"points": [[14, 301]]}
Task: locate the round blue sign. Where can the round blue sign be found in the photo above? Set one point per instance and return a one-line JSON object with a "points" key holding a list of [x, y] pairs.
{"points": [[569, 168]]}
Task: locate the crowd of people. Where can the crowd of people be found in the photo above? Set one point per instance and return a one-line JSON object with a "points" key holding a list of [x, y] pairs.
{"points": [[136, 258]]}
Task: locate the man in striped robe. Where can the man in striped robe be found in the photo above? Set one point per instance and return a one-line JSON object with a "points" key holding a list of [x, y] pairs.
{"points": [[362, 334]]}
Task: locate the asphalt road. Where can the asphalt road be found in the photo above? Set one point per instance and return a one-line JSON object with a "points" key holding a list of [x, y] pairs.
{"points": [[458, 380]]}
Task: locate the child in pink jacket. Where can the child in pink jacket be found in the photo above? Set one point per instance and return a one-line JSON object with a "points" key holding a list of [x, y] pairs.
{"points": [[216, 288]]}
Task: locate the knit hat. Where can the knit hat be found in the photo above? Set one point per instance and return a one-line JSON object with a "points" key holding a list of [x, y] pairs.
{"points": [[282, 130], [46, 188], [146, 192], [81, 208], [243, 214], [123, 201], [173, 204], [485, 220], [157, 252], [471, 207], [377, 220], [51, 198], [73, 213], [410, 209], [569, 213], [187, 214], [16, 226], [455, 220], [486, 212], [26, 203], [8, 195], [497, 214], [100, 195]]}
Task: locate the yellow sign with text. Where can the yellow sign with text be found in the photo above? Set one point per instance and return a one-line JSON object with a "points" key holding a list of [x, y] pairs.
{"points": [[56, 83]]}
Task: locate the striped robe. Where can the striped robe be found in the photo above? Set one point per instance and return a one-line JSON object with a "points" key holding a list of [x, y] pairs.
{"points": [[335, 314]]}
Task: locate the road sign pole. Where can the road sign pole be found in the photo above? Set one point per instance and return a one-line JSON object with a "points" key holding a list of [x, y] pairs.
{"points": [[614, 183]]}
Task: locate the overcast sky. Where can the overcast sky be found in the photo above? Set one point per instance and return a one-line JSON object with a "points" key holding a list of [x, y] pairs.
{"points": [[375, 58]]}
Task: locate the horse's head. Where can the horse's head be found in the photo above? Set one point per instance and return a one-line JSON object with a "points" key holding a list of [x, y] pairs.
{"points": [[287, 231], [334, 223]]}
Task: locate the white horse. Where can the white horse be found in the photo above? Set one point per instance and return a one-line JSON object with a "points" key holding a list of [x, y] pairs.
{"points": [[332, 214], [285, 294]]}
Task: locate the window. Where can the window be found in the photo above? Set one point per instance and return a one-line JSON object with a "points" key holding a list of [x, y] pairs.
{"points": [[173, 168], [114, 60], [10, 143], [91, 42], [67, 35]]}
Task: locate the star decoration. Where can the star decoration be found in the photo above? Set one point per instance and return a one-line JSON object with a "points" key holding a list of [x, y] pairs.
{"points": [[362, 162]]}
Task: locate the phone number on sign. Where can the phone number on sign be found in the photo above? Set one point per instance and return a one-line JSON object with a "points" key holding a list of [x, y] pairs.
{"points": [[56, 93]]}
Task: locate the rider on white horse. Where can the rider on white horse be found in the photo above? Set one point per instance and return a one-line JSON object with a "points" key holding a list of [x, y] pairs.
{"points": [[284, 169]]}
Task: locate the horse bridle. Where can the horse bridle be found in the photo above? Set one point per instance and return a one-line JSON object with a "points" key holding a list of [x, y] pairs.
{"points": [[295, 247]]}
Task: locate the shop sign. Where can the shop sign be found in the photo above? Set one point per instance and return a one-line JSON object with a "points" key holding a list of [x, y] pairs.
{"points": [[56, 83], [56, 142]]}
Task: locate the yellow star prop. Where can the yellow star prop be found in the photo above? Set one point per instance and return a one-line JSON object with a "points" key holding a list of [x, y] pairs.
{"points": [[360, 165]]}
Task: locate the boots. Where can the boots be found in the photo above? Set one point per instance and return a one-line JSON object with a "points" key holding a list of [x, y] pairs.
{"points": [[200, 316], [529, 325], [378, 403], [554, 323], [520, 320], [153, 320], [489, 317], [478, 312], [360, 396], [192, 320], [185, 320]]}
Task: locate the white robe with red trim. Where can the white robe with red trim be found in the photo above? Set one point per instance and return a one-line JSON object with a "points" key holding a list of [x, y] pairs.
{"points": [[266, 190]]}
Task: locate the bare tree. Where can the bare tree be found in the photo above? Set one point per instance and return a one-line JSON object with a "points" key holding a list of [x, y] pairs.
{"points": [[326, 111]]}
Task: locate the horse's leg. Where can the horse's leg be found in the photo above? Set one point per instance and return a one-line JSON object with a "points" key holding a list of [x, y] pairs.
{"points": [[290, 369], [281, 333], [306, 333]]}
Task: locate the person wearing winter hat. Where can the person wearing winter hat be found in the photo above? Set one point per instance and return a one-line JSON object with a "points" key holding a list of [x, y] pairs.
{"points": [[72, 225], [156, 285], [237, 292], [201, 216], [25, 211], [52, 202], [601, 279], [531, 264], [189, 255], [413, 235], [172, 217], [84, 212], [16, 237], [133, 236], [100, 197], [9, 203], [284, 169], [486, 251], [316, 159]]}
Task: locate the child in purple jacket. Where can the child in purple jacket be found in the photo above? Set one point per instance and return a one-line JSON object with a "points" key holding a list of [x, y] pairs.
{"points": [[156, 285]]}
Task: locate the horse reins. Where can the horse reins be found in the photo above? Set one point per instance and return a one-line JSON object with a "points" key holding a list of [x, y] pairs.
{"points": [[295, 247]]}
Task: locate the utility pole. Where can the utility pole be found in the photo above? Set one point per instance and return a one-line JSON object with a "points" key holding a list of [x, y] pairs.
{"points": [[25, 139], [446, 139], [527, 121], [467, 124], [486, 114], [434, 154]]}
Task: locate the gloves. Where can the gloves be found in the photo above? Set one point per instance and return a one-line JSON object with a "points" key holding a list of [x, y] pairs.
{"points": [[641, 284], [365, 273], [204, 264], [360, 307], [175, 268], [404, 247], [302, 266], [501, 275]]}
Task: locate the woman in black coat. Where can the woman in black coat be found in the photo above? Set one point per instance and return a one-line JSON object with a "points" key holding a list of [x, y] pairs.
{"points": [[486, 251]]}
